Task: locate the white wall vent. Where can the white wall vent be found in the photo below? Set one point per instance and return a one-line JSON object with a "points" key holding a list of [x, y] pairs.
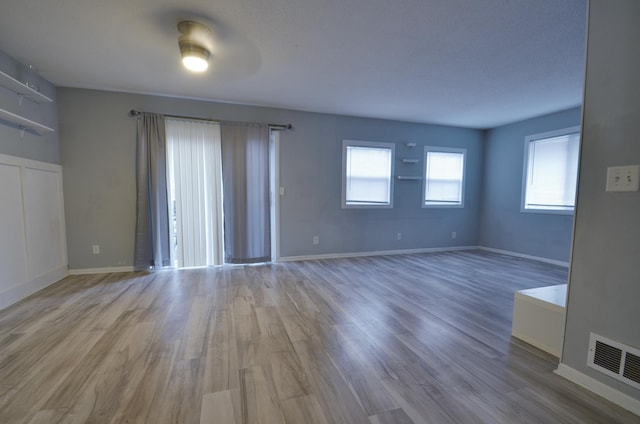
{"points": [[614, 359]]}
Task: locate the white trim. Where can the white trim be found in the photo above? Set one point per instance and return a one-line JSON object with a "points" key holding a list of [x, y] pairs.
{"points": [[22, 290], [30, 163], [107, 270], [522, 255], [376, 253], [619, 398]]}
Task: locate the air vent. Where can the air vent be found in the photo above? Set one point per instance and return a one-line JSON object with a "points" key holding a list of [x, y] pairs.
{"points": [[632, 367], [607, 356], [614, 359]]}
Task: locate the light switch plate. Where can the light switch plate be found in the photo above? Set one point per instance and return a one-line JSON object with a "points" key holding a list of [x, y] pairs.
{"points": [[623, 178]]}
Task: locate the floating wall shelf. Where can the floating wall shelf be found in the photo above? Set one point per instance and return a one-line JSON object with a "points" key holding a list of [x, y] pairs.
{"points": [[410, 160], [22, 121], [22, 89], [409, 178]]}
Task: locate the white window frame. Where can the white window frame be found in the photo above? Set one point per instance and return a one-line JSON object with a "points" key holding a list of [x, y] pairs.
{"points": [[525, 171], [438, 149], [369, 144]]}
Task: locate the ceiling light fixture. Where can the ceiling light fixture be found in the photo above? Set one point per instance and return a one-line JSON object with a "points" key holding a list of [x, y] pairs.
{"points": [[193, 41]]}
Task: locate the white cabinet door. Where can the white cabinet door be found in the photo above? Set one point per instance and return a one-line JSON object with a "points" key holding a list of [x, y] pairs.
{"points": [[33, 249], [43, 221], [13, 256]]}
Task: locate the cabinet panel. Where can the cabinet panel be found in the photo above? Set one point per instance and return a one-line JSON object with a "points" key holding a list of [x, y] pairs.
{"points": [[13, 260], [43, 221], [33, 251]]}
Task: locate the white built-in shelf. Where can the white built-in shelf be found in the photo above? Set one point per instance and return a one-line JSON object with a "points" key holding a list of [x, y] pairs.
{"points": [[22, 89], [22, 121], [406, 177], [410, 160]]}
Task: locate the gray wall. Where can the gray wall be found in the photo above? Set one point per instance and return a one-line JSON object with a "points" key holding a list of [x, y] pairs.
{"points": [[98, 156], [502, 225], [43, 147], [604, 285]]}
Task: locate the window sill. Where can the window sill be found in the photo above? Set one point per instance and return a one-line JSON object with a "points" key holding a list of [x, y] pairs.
{"points": [[367, 206], [547, 211], [443, 206]]}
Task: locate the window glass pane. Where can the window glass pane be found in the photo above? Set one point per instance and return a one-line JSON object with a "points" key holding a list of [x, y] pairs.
{"points": [[368, 175], [444, 175], [552, 172]]}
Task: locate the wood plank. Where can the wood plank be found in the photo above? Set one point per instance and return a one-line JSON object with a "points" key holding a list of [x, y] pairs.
{"points": [[217, 408], [259, 400], [303, 409], [397, 416]]}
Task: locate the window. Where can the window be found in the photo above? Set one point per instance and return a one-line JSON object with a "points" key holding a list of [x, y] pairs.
{"points": [[367, 170], [444, 177], [551, 171]]}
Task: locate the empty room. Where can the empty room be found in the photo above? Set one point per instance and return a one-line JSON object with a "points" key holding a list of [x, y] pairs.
{"points": [[319, 212]]}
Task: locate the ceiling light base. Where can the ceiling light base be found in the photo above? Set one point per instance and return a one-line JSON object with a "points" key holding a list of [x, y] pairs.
{"points": [[192, 43]]}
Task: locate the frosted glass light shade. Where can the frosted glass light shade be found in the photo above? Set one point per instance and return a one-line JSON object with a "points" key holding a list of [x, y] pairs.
{"points": [[195, 45], [195, 63]]}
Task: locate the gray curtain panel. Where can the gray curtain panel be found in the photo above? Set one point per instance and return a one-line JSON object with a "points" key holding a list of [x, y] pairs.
{"points": [[245, 173], [152, 242]]}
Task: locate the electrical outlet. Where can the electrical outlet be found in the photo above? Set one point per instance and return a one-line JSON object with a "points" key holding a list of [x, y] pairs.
{"points": [[453, 234], [316, 240], [399, 236], [96, 249]]}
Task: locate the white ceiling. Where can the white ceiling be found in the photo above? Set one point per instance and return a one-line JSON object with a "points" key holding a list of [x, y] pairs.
{"points": [[469, 63]]}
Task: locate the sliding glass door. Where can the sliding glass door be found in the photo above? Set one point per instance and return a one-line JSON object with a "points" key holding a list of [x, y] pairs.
{"points": [[222, 192], [194, 172]]}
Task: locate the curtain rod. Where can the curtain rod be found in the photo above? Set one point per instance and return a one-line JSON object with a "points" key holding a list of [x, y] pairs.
{"points": [[278, 127]]}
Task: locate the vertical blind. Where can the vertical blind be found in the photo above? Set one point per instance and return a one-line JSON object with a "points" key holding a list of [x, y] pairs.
{"points": [[194, 161]]}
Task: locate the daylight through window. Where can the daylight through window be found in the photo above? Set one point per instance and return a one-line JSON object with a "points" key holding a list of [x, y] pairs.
{"points": [[367, 174], [444, 176], [551, 171]]}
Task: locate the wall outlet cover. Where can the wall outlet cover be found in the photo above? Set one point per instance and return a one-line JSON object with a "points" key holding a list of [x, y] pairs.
{"points": [[623, 178]]}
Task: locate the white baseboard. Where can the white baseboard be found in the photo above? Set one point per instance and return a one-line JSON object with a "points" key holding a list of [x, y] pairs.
{"points": [[107, 270], [375, 253], [622, 399], [21, 291], [522, 255]]}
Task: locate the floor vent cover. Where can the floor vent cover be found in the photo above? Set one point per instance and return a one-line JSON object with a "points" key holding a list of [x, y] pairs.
{"points": [[614, 359]]}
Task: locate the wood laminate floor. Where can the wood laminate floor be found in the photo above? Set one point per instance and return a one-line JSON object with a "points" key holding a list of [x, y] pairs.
{"points": [[398, 339]]}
